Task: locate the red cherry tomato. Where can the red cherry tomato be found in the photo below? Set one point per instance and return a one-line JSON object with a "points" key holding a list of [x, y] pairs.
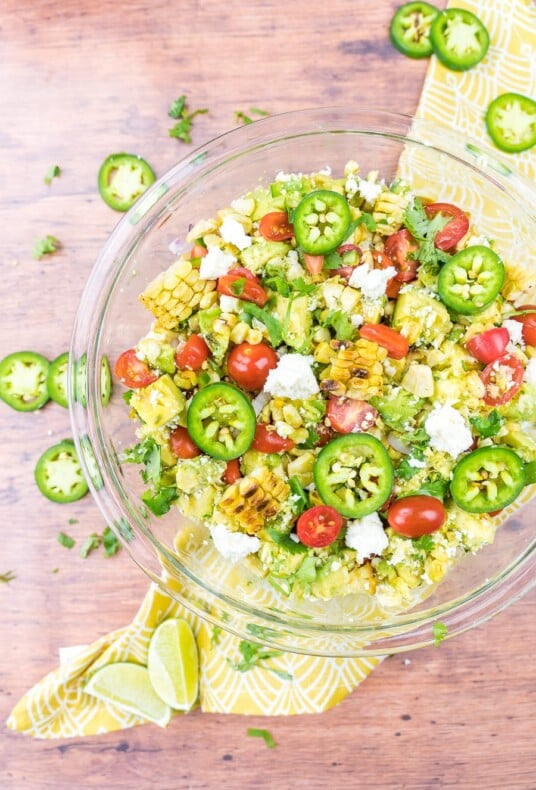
{"points": [[325, 434], [198, 251], [243, 271], [529, 323], [250, 291], [416, 515], [450, 235], [398, 248], [396, 344], [314, 263], [502, 379], [269, 441], [348, 248], [232, 472], [192, 354], [349, 416], [181, 443], [249, 364], [489, 345], [275, 226], [133, 372], [319, 526], [382, 261]]}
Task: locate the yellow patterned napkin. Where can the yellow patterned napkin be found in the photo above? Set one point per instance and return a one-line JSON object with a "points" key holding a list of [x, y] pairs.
{"points": [[57, 706]]}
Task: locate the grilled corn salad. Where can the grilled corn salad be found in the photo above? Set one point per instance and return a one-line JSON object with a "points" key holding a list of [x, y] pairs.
{"points": [[340, 383]]}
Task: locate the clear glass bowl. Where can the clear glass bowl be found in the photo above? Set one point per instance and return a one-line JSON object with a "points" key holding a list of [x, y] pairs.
{"points": [[439, 164]]}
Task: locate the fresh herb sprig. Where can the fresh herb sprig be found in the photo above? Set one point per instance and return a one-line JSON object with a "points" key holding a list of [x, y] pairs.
{"points": [[53, 172], [46, 246], [179, 111], [424, 230], [252, 656], [253, 732], [244, 118]]}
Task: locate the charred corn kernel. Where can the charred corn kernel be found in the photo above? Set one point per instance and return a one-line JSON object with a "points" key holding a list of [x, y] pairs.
{"points": [[355, 369], [185, 379], [254, 500], [244, 333], [323, 352], [171, 297], [434, 569]]}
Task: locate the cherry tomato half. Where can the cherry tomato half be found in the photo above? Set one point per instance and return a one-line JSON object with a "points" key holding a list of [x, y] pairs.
{"points": [[192, 354], [454, 230], [398, 248], [382, 261], [314, 263], [489, 345], [349, 416], [396, 344], [250, 291], [133, 372], [249, 364], [319, 526], [416, 515], [529, 323], [181, 443], [232, 472], [269, 441], [198, 251], [502, 379], [275, 226]]}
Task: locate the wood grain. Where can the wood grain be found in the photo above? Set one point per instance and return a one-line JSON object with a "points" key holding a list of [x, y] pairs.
{"points": [[78, 81]]}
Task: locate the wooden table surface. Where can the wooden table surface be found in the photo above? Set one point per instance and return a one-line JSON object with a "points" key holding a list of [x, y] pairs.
{"points": [[80, 80]]}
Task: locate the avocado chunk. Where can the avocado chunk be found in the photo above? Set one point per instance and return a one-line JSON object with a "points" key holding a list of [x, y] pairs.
{"points": [[296, 321], [421, 318], [159, 402], [256, 256]]}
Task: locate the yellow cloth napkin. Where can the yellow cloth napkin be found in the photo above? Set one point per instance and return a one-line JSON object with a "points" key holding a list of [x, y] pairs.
{"points": [[57, 706]]}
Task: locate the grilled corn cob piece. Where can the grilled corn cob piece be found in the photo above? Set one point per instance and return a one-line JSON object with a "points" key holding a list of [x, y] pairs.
{"points": [[389, 211], [174, 294], [354, 369], [254, 500]]}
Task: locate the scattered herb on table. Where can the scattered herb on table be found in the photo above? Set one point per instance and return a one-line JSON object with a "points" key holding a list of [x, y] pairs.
{"points": [[179, 111], [264, 734], [110, 542], [73, 521], [91, 543], [65, 540], [253, 654], [215, 636], [242, 117], [439, 631], [7, 577], [53, 172], [46, 246]]}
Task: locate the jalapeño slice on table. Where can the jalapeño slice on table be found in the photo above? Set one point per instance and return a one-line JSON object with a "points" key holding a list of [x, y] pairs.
{"points": [[471, 279], [487, 479], [321, 221], [221, 421], [354, 474], [23, 380], [58, 473], [511, 122], [122, 179], [459, 39], [410, 29], [57, 379]]}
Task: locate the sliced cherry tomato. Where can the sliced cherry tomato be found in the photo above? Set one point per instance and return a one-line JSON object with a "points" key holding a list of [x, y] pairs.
{"points": [[382, 261], [249, 364], [250, 290], [351, 416], [396, 344], [275, 226], [398, 248], [489, 345], [344, 248], [416, 515], [502, 379], [325, 434], [232, 472], [133, 372], [192, 354], [450, 235], [314, 263], [529, 323], [269, 441], [319, 526], [181, 443], [198, 251], [243, 271]]}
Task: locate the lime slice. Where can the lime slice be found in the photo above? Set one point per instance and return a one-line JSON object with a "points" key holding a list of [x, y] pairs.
{"points": [[128, 686], [173, 664]]}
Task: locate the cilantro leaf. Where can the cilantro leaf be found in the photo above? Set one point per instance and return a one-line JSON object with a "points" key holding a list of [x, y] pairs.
{"points": [[237, 287], [285, 542], [339, 321], [91, 543], [46, 246], [424, 230], [7, 577], [177, 107], [488, 426], [425, 542], [301, 500], [312, 440], [53, 172], [65, 540], [110, 543], [272, 324], [439, 631], [159, 501], [436, 488], [367, 220], [333, 260], [253, 732], [242, 117], [252, 654], [147, 453], [179, 111]]}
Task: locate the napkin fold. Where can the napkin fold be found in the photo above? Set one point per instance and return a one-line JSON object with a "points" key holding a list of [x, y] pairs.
{"points": [[58, 707]]}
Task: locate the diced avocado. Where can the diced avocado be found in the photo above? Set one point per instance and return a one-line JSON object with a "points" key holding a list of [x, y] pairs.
{"points": [[521, 441], [198, 506], [258, 255], [159, 354], [419, 380], [216, 332], [159, 402], [265, 202], [328, 582], [296, 321], [421, 318], [302, 467], [523, 406], [397, 408], [196, 474]]}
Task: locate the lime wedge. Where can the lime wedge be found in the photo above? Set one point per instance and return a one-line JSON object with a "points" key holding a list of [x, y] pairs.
{"points": [[173, 664], [128, 686]]}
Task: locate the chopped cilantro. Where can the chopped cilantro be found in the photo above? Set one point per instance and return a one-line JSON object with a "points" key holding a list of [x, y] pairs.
{"points": [[242, 117], [238, 286], [127, 396], [53, 172], [264, 734], [46, 246], [73, 521], [439, 631], [7, 577], [147, 453], [312, 440], [285, 542], [367, 220], [436, 488], [252, 654], [300, 500], [91, 543], [159, 501], [179, 111], [425, 542], [306, 573], [424, 230], [65, 540], [110, 543], [488, 426], [333, 260], [272, 325], [340, 322]]}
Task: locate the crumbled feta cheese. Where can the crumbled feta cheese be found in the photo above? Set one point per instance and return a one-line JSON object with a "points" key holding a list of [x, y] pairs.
{"points": [[416, 463], [216, 263], [229, 304], [368, 190], [294, 267], [326, 171], [478, 241], [448, 431], [293, 377], [366, 536], [515, 330], [281, 176], [350, 186], [335, 566], [351, 168], [243, 206], [356, 319], [371, 282], [234, 546], [530, 372], [233, 232]]}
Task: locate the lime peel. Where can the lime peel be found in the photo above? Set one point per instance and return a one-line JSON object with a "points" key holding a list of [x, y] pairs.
{"points": [[127, 685], [173, 664]]}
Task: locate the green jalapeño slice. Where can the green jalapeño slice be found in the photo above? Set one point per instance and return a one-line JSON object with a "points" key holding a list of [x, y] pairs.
{"points": [[321, 221], [221, 421], [459, 39], [122, 179], [58, 473], [23, 380], [487, 479], [511, 122], [471, 279], [354, 474], [410, 29]]}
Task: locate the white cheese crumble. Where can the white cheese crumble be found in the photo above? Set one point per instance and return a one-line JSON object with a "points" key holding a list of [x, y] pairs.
{"points": [[283, 428], [366, 536], [294, 267], [233, 232], [350, 186], [216, 263], [371, 282], [368, 190], [356, 319], [530, 372], [515, 330], [234, 546], [229, 304], [448, 431], [293, 378]]}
